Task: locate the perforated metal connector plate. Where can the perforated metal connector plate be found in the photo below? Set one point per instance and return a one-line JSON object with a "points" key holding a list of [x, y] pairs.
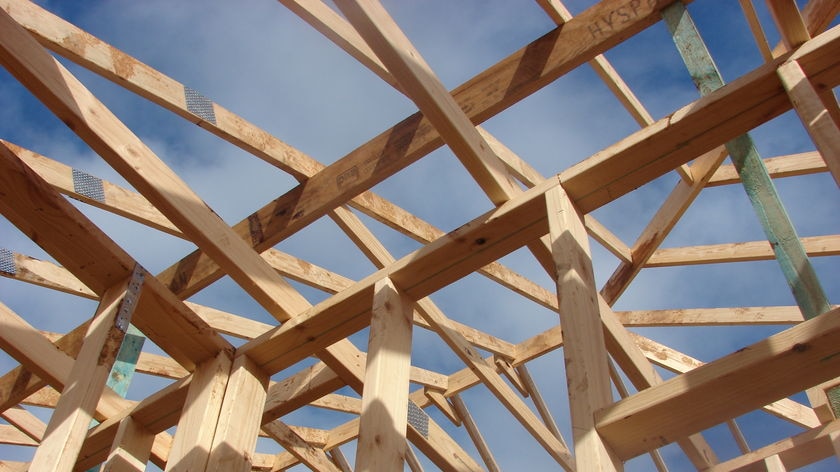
{"points": [[834, 400], [199, 105], [88, 186], [129, 301], [7, 262], [418, 419]]}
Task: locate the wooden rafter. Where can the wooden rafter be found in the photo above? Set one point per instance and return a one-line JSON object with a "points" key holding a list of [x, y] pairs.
{"points": [[293, 356]]}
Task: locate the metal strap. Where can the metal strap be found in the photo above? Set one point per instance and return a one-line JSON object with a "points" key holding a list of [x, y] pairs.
{"points": [[199, 105], [7, 262], [418, 419], [88, 186], [129, 301]]}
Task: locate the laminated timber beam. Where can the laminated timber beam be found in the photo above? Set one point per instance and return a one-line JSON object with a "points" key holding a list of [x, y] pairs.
{"points": [[815, 246], [806, 355], [432, 99], [793, 453], [134, 206], [119, 67], [556, 53], [63, 93], [762, 194], [778, 167], [678, 362], [814, 114], [760, 76], [167, 410], [817, 14], [451, 334], [96, 260], [66, 430]]}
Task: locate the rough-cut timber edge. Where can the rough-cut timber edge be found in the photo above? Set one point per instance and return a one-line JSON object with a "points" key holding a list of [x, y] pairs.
{"points": [[222, 397]]}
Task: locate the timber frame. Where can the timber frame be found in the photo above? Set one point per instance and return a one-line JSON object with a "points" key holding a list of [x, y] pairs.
{"points": [[232, 378]]}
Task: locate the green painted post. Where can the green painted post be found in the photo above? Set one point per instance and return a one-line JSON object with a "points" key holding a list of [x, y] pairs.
{"points": [[780, 232], [126, 363], [123, 369]]}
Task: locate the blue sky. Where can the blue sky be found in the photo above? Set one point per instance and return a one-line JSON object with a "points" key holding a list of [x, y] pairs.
{"points": [[260, 61]]}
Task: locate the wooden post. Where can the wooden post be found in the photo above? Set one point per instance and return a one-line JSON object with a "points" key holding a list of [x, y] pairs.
{"points": [[196, 426], [239, 421], [382, 429], [775, 464], [66, 430], [120, 379], [587, 372], [131, 448]]}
